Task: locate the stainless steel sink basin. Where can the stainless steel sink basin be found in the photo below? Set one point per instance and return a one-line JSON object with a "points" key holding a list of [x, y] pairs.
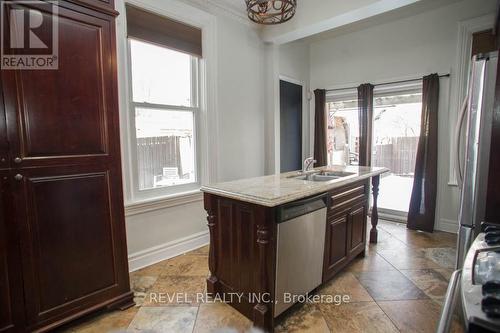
{"points": [[324, 176], [316, 177], [338, 174]]}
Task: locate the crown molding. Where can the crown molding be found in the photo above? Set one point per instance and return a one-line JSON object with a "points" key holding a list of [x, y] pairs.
{"points": [[230, 7], [227, 8]]}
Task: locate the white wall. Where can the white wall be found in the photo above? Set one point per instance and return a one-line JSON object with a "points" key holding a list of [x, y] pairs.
{"points": [[156, 231], [289, 62], [406, 48], [241, 100], [294, 60]]}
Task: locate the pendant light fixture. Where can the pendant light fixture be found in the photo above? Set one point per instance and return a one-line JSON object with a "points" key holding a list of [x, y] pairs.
{"points": [[271, 11]]}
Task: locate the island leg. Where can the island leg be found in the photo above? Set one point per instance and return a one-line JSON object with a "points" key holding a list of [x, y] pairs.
{"points": [[262, 316], [212, 260], [374, 231]]}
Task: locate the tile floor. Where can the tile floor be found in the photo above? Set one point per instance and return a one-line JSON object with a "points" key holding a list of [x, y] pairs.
{"points": [[397, 287]]}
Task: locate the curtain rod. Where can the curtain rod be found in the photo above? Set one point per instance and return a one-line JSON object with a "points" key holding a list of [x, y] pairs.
{"points": [[386, 83]]}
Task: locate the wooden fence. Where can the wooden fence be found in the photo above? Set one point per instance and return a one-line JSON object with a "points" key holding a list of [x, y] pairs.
{"points": [[398, 156], [155, 153]]}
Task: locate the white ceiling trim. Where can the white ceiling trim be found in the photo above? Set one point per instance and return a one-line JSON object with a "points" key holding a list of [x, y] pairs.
{"points": [[229, 8], [359, 14]]}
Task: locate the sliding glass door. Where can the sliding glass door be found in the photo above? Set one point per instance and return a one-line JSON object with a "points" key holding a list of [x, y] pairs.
{"points": [[396, 131], [343, 128]]}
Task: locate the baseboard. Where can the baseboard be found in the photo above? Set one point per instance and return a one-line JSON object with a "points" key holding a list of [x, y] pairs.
{"points": [[448, 226], [392, 217], [445, 225], [168, 250]]}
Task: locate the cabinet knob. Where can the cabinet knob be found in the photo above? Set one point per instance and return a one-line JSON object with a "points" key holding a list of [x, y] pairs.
{"points": [[18, 160], [18, 177]]}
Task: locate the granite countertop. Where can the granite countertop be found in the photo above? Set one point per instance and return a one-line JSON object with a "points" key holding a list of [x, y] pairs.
{"points": [[278, 189]]}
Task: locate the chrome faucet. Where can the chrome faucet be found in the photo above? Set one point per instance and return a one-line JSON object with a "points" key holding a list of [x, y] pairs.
{"points": [[308, 163]]}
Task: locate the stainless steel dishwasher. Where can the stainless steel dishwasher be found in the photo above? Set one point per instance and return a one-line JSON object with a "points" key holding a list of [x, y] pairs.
{"points": [[301, 242]]}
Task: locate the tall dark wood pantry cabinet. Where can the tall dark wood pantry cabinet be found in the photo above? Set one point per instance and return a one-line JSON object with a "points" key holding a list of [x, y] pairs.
{"points": [[62, 233]]}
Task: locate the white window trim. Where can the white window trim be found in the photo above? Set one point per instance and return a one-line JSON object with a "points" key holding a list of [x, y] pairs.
{"points": [[398, 88], [347, 93], [165, 191], [207, 124], [150, 205]]}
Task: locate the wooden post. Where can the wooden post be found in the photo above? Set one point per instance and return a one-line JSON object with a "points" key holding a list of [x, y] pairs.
{"points": [[212, 260], [374, 231], [261, 309]]}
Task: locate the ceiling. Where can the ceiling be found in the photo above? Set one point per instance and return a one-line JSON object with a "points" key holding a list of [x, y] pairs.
{"points": [[407, 11], [319, 19]]}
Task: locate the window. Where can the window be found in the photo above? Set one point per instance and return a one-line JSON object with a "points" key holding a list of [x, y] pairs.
{"points": [[343, 128], [164, 100], [396, 131]]}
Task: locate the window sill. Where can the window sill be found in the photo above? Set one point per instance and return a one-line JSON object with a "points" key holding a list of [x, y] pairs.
{"points": [[178, 199]]}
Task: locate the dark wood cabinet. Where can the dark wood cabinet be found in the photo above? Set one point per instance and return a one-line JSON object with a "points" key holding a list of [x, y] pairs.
{"points": [[60, 142], [345, 236], [105, 6], [71, 238], [336, 245], [67, 116], [244, 245], [357, 229], [11, 292], [242, 255]]}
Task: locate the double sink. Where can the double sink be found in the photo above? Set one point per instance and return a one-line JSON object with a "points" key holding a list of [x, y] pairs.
{"points": [[323, 176]]}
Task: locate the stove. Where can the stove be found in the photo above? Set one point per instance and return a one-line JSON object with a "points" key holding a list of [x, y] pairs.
{"points": [[480, 282], [475, 289]]}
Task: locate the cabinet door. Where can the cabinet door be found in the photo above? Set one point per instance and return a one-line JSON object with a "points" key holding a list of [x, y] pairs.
{"points": [[71, 238], [336, 245], [11, 296], [357, 226], [63, 126], [4, 146], [69, 115]]}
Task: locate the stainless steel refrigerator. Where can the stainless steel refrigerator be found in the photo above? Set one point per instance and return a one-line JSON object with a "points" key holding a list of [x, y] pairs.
{"points": [[473, 149]]}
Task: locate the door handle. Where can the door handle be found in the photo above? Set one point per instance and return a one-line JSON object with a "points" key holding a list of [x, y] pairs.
{"points": [[18, 160], [18, 177], [458, 132]]}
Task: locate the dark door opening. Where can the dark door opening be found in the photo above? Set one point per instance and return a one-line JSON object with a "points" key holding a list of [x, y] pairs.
{"points": [[290, 126]]}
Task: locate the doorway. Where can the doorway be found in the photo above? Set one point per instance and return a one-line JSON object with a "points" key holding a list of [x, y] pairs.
{"points": [[290, 126], [396, 131], [343, 128]]}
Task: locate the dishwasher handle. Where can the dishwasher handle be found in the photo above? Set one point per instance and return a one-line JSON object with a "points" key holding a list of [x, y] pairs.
{"points": [[301, 207]]}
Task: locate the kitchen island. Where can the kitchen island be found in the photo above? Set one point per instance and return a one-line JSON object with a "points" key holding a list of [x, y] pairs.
{"points": [[286, 232]]}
